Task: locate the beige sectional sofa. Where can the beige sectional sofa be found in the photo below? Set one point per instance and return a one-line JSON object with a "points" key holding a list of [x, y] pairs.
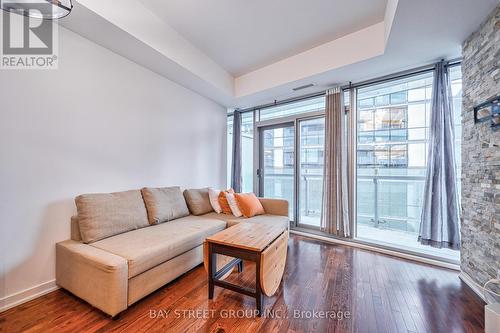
{"points": [[126, 245]]}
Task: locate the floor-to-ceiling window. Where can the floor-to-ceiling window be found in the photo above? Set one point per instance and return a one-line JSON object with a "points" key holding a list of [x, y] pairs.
{"points": [[283, 149], [392, 142]]}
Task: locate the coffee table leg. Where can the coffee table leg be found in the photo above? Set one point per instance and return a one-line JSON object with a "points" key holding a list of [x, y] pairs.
{"points": [[240, 266], [259, 299], [212, 269]]}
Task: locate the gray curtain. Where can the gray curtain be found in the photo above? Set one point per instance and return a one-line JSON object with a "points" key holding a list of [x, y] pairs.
{"points": [[439, 226], [236, 163], [335, 214]]}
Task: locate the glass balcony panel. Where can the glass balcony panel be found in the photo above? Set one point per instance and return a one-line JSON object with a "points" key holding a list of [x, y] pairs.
{"points": [[366, 197]]}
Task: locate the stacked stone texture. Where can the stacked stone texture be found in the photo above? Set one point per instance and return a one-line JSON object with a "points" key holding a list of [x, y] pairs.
{"points": [[480, 253]]}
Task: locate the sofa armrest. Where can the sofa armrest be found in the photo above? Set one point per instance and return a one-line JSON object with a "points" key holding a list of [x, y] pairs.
{"points": [[275, 206], [97, 276]]}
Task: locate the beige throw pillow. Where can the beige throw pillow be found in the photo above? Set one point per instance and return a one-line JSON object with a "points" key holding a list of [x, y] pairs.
{"points": [[213, 196], [233, 204], [164, 204], [198, 201], [103, 215]]}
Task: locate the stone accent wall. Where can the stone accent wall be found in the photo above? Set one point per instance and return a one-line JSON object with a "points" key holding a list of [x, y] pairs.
{"points": [[480, 253]]}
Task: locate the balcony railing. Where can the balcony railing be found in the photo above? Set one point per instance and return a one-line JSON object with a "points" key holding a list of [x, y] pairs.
{"points": [[391, 202]]}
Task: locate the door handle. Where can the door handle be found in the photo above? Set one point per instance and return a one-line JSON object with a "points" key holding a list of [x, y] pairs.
{"points": [[259, 172]]}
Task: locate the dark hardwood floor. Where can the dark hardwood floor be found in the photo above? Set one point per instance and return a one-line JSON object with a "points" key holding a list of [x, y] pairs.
{"points": [[356, 290]]}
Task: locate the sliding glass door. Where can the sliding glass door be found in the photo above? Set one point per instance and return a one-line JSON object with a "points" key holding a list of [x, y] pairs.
{"points": [[296, 177], [277, 163]]}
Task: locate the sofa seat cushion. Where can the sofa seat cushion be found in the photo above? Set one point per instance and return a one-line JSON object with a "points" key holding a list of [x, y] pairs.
{"points": [[148, 247], [269, 219], [260, 219], [229, 219]]}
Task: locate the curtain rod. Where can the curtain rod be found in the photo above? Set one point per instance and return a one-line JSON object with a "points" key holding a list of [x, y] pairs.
{"points": [[394, 76], [400, 75], [282, 102]]}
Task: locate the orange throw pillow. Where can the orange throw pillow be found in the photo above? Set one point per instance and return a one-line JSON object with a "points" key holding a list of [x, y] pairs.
{"points": [[224, 205], [249, 204]]}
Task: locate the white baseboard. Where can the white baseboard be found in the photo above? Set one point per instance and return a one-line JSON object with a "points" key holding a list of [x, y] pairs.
{"points": [[476, 288], [380, 250], [26, 295]]}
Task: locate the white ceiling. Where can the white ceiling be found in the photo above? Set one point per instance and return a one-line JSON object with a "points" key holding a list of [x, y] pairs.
{"points": [[206, 45], [423, 31], [242, 36]]}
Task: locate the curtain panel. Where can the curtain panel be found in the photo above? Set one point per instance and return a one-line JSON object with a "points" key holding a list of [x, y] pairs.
{"points": [[439, 226], [236, 162], [335, 213]]}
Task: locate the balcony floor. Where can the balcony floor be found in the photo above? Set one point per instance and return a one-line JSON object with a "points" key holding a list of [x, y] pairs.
{"points": [[393, 238], [403, 240]]}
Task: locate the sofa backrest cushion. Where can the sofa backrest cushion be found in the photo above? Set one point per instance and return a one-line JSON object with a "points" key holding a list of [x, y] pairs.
{"points": [[103, 215], [164, 204], [198, 201]]}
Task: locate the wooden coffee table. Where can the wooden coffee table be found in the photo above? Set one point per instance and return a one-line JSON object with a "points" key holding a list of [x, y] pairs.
{"points": [[265, 244]]}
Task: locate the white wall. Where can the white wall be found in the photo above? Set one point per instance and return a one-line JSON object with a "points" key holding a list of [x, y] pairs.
{"points": [[99, 123]]}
